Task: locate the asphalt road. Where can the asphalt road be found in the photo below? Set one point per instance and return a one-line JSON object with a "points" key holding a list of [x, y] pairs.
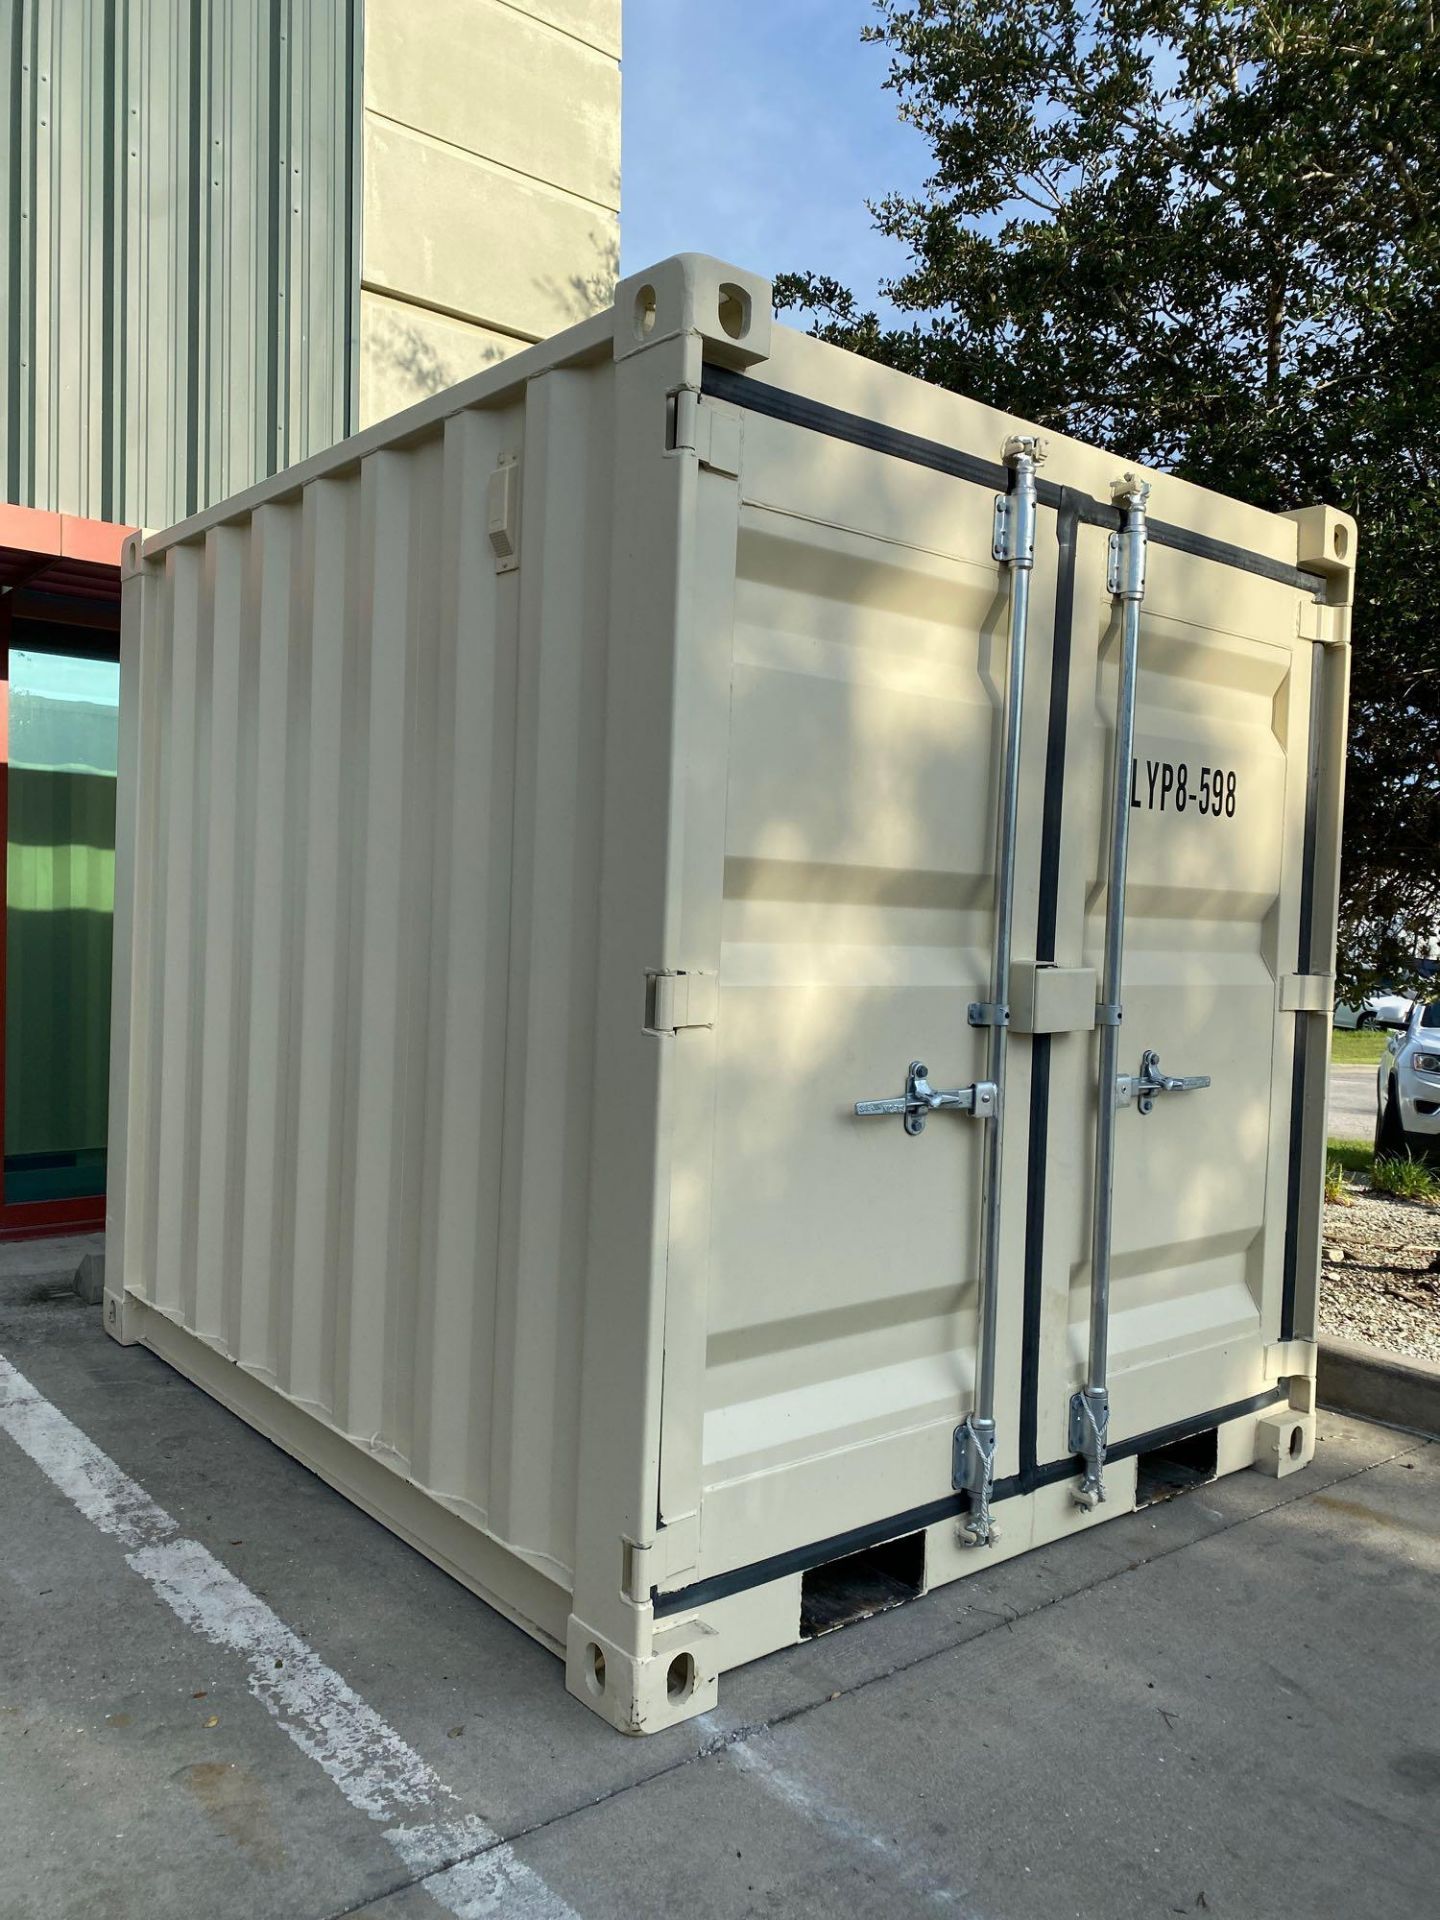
{"points": [[1352, 1103], [1215, 1706]]}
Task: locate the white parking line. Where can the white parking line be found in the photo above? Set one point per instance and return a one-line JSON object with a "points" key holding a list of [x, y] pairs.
{"points": [[756, 1755], [466, 1868]]}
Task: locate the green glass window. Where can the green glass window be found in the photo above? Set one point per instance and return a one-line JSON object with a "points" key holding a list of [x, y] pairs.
{"points": [[59, 906]]}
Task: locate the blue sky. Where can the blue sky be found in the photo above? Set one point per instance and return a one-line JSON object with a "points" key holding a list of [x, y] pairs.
{"points": [[756, 133]]}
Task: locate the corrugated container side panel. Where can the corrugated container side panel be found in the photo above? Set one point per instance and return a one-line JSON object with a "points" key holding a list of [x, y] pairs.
{"points": [[402, 503], [307, 1358], [547, 1142], [588, 614], [182, 934], [193, 982], [469, 980], [377, 540], [417, 804], [365, 764], [276, 839], [151, 892], [215, 969], [229, 917], [134, 880], [438, 1326]]}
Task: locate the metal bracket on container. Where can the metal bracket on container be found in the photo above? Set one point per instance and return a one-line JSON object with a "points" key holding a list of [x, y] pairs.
{"points": [[989, 1013], [1307, 992], [674, 1001], [1008, 523], [502, 513], [1089, 1435], [1003, 530], [1143, 1087], [920, 1099], [972, 1470], [1125, 573]]}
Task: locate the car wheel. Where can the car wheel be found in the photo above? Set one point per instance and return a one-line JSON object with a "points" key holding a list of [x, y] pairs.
{"points": [[1390, 1142], [1365, 1021]]}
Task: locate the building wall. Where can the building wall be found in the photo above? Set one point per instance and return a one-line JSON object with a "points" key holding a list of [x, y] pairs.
{"points": [[178, 189], [221, 249], [491, 159]]}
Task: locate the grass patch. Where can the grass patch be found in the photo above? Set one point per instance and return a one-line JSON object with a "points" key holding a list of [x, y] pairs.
{"points": [[1358, 1047], [1337, 1187], [1350, 1156], [1407, 1179]]}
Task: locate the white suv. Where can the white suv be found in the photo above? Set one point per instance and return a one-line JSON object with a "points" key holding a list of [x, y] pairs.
{"points": [[1407, 1092], [1387, 1009]]}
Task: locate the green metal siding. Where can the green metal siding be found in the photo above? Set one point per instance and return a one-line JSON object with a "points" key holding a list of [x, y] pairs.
{"points": [[179, 203]]}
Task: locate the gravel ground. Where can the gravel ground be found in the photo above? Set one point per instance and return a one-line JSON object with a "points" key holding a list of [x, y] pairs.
{"points": [[1386, 1289]]}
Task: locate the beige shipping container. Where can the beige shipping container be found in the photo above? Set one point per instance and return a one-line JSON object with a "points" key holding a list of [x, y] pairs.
{"points": [[546, 817]]}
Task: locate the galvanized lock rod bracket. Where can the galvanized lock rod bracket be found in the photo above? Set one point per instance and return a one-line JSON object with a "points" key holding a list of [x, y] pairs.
{"points": [[1089, 1417], [920, 1099], [1013, 545]]}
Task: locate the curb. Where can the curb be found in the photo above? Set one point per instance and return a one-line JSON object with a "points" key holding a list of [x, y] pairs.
{"points": [[1354, 1378]]}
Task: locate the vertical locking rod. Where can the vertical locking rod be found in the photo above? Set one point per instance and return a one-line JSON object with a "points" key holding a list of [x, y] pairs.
{"points": [[1090, 1408], [974, 1452]]}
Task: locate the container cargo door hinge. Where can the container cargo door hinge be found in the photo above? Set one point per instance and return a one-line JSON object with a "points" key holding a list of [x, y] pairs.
{"points": [[674, 1001], [1321, 623], [638, 1569], [1307, 992], [670, 1556], [711, 431], [502, 513]]}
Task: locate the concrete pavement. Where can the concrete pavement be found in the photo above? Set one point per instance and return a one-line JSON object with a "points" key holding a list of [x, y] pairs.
{"points": [[1226, 1704]]}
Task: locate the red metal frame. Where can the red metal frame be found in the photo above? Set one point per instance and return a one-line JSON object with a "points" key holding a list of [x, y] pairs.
{"points": [[45, 554]]}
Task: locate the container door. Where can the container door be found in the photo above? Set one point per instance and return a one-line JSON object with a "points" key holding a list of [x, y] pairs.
{"points": [[831, 1259], [1217, 848]]}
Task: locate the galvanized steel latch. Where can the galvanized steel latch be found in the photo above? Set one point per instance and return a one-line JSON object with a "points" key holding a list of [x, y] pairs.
{"points": [[920, 1099], [1143, 1087]]}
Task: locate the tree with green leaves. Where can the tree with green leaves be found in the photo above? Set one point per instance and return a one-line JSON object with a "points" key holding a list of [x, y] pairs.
{"points": [[1204, 233]]}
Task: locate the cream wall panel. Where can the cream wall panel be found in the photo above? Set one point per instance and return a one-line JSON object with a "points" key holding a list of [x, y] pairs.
{"points": [[494, 82], [408, 353], [596, 22], [492, 247]]}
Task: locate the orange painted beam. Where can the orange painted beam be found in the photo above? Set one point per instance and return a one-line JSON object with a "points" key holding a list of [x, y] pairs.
{"points": [[62, 536]]}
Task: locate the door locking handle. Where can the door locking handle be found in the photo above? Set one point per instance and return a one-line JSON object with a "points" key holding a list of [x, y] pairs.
{"points": [[1144, 1087], [921, 1099]]}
